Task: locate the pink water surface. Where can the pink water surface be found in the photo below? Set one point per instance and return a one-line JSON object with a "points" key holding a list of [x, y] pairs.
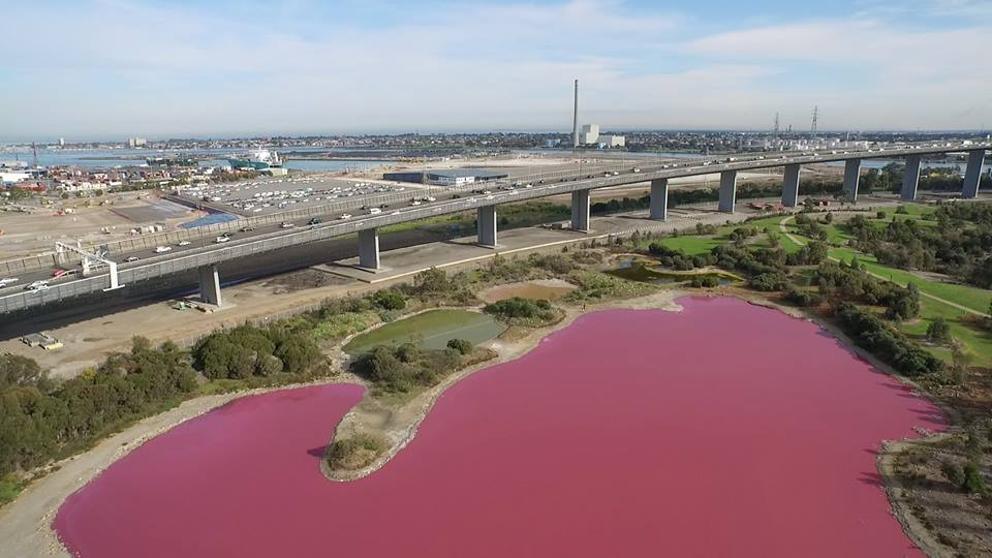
{"points": [[723, 430]]}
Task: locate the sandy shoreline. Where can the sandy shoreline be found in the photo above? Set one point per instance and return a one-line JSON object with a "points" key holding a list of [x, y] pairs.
{"points": [[26, 523]]}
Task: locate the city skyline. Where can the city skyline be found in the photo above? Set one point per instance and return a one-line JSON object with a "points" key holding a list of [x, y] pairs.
{"points": [[98, 70]]}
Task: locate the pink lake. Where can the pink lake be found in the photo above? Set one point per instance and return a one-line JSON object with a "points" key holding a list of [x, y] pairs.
{"points": [[723, 430]]}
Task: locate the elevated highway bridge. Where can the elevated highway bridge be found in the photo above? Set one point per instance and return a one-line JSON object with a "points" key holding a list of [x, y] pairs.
{"points": [[265, 234]]}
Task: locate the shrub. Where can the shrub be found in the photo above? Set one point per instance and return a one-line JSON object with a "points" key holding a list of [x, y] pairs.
{"points": [[431, 281], [704, 281], [773, 281], [401, 369], [463, 346], [355, 452], [973, 481], [953, 473], [801, 297], [298, 354], [389, 300], [523, 308], [938, 331], [555, 263]]}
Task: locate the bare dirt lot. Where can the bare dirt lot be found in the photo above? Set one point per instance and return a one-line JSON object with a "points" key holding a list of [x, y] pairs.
{"points": [[97, 219]]}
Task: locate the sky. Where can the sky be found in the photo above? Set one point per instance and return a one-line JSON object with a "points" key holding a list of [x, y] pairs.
{"points": [[107, 69]]}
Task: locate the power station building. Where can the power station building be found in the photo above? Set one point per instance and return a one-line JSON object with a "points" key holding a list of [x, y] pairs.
{"points": [[590, 136]]}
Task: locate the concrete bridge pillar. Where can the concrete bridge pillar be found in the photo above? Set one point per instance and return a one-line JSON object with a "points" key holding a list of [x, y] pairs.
{"points": [[659, 199], [973, 173], [790, 185], [210, 285], [486, 219], [911, 179], [852, 179], [728, 190], [368, 249], [580, 210]]}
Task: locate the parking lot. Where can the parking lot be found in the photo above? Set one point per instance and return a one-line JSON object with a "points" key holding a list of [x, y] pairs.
{"points": [[270, 195]]}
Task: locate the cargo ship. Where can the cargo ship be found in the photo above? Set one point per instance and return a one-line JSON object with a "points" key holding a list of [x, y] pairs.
{"points": [[257, 160]]}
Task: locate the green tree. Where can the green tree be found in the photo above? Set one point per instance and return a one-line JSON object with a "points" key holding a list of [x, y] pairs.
{"points": [[938, 331]]}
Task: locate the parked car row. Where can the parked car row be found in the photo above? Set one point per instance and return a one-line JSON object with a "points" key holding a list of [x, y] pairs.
{"points": [[273, 195]]}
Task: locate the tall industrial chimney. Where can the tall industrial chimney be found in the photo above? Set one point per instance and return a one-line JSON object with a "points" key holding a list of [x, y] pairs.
{"points": [[575, 117]]}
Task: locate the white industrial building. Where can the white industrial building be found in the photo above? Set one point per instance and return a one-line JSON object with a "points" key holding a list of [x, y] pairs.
{"points": [[609, 140], [589, 135]]}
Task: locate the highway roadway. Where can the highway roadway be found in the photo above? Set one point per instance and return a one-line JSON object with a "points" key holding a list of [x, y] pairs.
{"points": [[269, 233]]}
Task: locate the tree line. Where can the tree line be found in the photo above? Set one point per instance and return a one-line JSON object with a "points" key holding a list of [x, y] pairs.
{"points": [[43, 419]]}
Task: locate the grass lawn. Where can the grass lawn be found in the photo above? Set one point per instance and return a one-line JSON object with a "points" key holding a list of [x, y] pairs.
{"points": [[693, 244], [430, 330], [977, 342]]}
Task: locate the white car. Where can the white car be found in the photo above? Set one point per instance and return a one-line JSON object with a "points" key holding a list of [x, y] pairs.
{"points": [[222, 239], [184, 243], [346, 215], [7, 281], [162, 249], [287, 225], [37, 286], [131, 259], [374, 211]]}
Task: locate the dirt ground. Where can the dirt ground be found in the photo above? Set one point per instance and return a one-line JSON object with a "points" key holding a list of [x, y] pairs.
{"points": [[36, 232], [936, 513], [549, 289]]}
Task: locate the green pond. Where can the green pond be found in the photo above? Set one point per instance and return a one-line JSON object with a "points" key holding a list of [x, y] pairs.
{"points": [[430, 330]]}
